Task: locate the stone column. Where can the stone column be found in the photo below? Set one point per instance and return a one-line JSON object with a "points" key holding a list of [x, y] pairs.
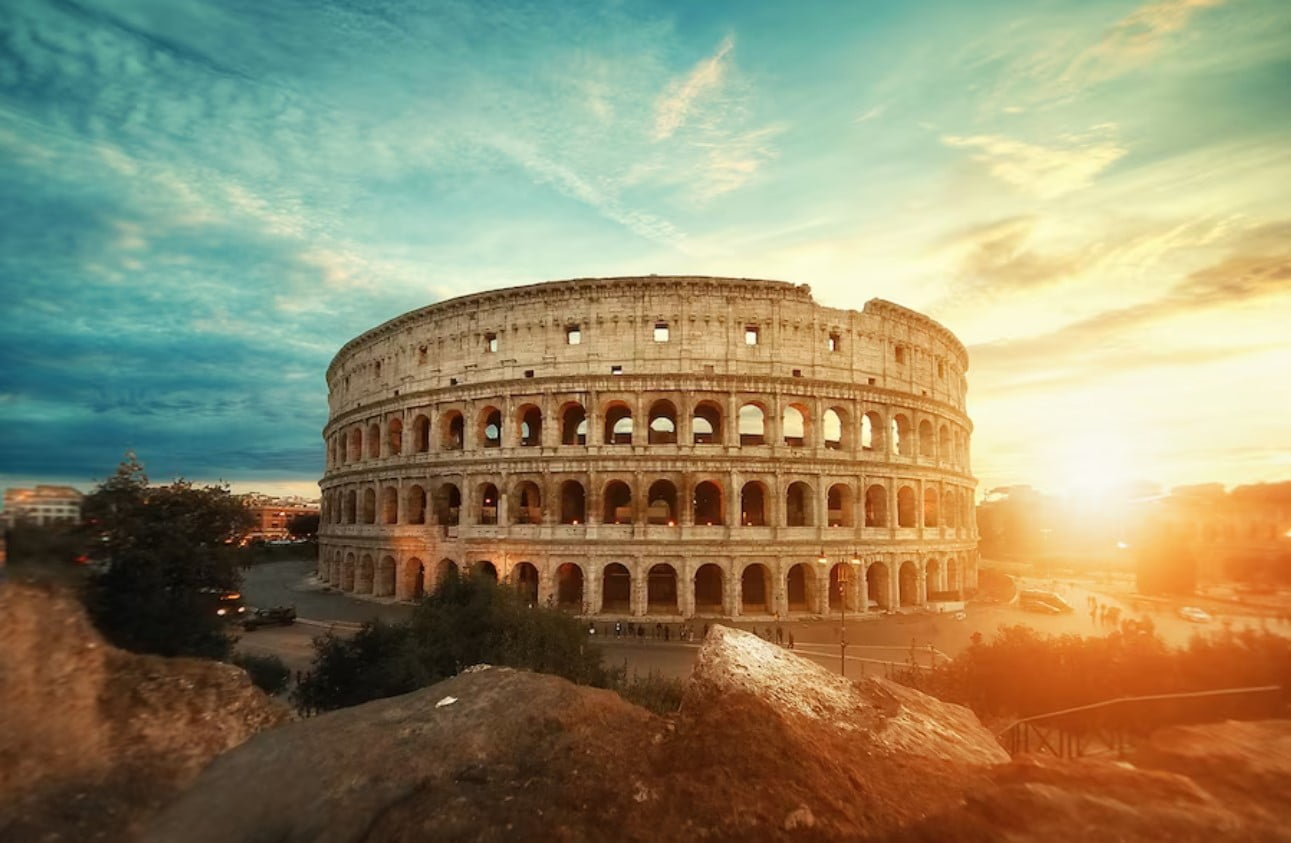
{"points": [[731, 429], [640, 588], [686, 592], [733, 595], [686, 501]]}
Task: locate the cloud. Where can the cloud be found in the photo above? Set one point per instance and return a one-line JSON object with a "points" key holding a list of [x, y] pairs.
{"points": [[1044, 171], [996, 258], [1135, 40], [873, 114], [676, 103]]}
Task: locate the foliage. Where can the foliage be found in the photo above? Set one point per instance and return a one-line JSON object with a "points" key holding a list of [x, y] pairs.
{"points": [[269, 673], [1021, 672], [165, 554], [466, 621], [303, 526], [654, 691]]}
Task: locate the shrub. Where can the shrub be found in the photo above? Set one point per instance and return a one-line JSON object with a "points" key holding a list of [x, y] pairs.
{"points": [[268, 673], [654, 691]]}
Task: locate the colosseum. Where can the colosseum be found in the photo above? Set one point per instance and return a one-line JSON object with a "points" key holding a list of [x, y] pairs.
{"points": [[655, 447]]}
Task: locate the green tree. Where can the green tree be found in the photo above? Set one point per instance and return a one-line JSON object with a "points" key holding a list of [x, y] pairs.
{"points": [[166, 553], [303, 526]]}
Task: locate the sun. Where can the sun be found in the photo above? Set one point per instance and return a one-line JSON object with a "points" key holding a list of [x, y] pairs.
{"points": [[1094, 468]]}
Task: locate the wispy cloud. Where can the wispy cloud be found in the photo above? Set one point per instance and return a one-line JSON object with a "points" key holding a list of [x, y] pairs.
{"points": [[1135, 40], [1044, 171], [676, 103]]}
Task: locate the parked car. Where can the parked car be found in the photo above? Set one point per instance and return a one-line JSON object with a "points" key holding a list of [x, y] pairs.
{"points": [[277, 616], [1194, 615], [1046, 602]]}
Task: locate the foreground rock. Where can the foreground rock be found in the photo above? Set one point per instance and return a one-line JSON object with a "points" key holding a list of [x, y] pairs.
{"points": [[93, 739], [768, 746]]}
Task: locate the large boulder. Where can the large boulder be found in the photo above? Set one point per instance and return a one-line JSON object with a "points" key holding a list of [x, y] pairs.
{"points": [[92, 738]]}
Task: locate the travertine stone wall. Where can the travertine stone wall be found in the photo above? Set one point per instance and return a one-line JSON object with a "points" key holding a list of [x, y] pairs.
{"points": [[657, 446]]}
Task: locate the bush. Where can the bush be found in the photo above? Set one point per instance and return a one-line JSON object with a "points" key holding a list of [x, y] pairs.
{"points": [[654, 691], [268, 673]]}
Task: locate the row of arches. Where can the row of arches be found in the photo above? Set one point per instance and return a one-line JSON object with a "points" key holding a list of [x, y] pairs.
{"points": [[616, 425], [659, 588], [620, 501]]}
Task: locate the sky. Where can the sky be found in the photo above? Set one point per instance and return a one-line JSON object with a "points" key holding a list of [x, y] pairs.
{"points": [[200, 202]]}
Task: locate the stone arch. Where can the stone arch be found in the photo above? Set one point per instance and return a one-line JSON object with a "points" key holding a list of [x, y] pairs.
{"points": [[347, 572], [908, 583], [452, 431], [662, 427], [485, 569], [952, 577], [527, 503], [334, 575], [394, 436], [616, 503], [385, 578], [616, 589], [949, 512], [932, 576], [421, 434], [661, 503], [930, 515], [839, 502], [351, 507], [706, 424], [799, 505], [573, 424], [709, 590], [842, 591], [753, 504], [365, 575], [412, 581], [871, 432], [708, 503], [489, 504], [354, 452], [389, 505], [569, 587], [415, 505], [795, 425], [755, 589], [529, 426], [448, 504], [907, 508], [525, 579], [800, 588], [573, 503], [618, 423], [489, 434], [369, 505], [834, 429], [661, 589], [445, 569], [927, 444], [877, 588], [752, 424], [945, 445], [374, 441], [902, 435]]}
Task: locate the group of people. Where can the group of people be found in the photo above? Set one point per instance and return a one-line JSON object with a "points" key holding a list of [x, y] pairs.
{"points": [[1103, 614], [685, 632]]}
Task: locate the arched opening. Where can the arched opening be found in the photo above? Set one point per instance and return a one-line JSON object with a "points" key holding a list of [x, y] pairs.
{"points": [[661, 590], [794, 425], [616, 589], [445, 570], [454, 432], [798, 588], [364, 576], [839, 500], [930, 507], [490, 428], [569, 587], [414, 580], [449, 508], [755, 590], [932, 577], [708, 504], [661, 503], [871, 432], [752, 425], [876, 586], [753, 504], [421, 434], [488, 504], [944, 444], [952, 578], [927, 445], [708, 590], [616, 503], [902, 435], [618, 425], [528, 503], [394, 436], [389, 505], [798, 508], [949, 512], [374, 441], [351, 498], [876, 506], [355, 451], [524, 576], [573, 503], [415, 505], [530, 426], [385, 582], [663, 423], [908, 583], [906, 507], [706, 424], [347, 573], [832, 428], [485, 570], [842, 582], [573, 425], [369, 506]]}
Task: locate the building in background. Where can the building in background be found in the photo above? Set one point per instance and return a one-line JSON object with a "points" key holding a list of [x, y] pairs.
{"points": [[42, 506], [273, 515]]}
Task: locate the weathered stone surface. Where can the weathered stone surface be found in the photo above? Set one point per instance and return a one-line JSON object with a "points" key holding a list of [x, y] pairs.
{"points": [[93, 738]]}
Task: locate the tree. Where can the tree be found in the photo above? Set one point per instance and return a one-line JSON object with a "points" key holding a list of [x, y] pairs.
{"points": [[166, 554], [303, 526]]}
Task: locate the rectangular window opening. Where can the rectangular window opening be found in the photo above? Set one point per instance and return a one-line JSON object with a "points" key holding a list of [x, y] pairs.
{"points": [[528, 373], [872, 381], [490, 342], [616, 370], [797, 373], [835, 342], [452, 381], [941, 370], [661, 332], [573, 334], [750, 334], [900, 353]]}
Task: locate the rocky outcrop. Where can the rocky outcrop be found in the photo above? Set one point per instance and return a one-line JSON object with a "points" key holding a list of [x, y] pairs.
{"points": [[92, 738]]}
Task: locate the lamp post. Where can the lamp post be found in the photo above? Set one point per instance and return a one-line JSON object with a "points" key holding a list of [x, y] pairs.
{"points": [[844, 577]]}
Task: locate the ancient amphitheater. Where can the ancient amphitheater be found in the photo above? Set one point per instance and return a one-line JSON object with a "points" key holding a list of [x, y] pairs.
{"points": [[656, 446]]}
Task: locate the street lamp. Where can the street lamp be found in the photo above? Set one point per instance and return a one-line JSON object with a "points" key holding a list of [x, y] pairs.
{"points": [[844, 577]]}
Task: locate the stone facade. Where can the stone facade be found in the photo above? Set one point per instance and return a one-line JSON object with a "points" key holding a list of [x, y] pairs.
{"points": [[657, 446]]}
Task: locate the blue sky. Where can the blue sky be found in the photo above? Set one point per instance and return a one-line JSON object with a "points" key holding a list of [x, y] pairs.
{"points": [[202, 201]]}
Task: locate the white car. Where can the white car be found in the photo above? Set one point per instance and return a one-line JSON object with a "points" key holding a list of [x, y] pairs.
{"points": [[1193, 614]]}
